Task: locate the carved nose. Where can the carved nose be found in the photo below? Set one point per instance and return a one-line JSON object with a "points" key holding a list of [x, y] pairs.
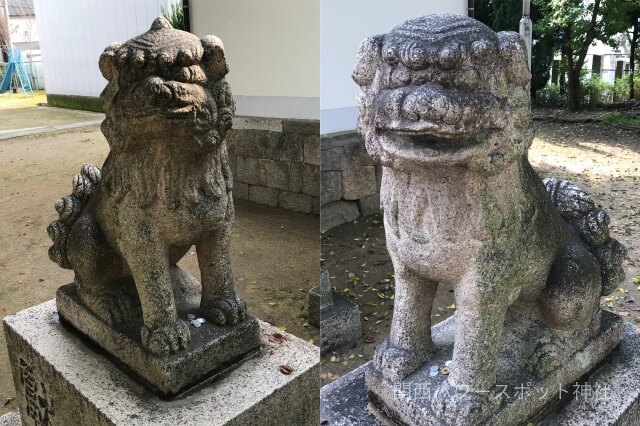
{"points": [[158, 87], [433, 103]]}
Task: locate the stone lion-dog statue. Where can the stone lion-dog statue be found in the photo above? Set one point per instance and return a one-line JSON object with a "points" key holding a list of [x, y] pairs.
{"points": [[165, 186], [444, 107]]}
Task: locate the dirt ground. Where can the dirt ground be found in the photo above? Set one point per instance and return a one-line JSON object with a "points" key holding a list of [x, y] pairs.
{"points": [[602, 159], [274, 251]]}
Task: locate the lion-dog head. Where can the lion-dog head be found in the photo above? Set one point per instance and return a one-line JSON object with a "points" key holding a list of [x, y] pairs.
{"points": [[168, 84], [444, 90]]}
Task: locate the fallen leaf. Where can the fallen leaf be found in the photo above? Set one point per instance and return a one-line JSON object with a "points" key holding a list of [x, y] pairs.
{"points": [[285, 369], [276, 338]]}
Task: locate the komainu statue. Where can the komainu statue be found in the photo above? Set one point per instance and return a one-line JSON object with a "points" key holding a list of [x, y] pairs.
{"points": [[165, 186], [444, 107]]}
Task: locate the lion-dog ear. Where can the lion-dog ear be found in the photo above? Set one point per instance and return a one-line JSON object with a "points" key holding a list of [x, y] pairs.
{"points": [[513, 55], [214, 59], [107, 61], [367, 60]]}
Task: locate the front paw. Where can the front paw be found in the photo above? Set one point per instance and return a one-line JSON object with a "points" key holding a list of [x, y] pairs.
{"points": [[225, 311], [463, 406], [166, 339], [396, 363]]}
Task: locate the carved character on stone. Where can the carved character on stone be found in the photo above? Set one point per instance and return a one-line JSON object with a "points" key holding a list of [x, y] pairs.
{"points": [[444, 107], [165, 186]]}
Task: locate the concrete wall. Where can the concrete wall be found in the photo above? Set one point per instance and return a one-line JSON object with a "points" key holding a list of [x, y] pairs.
{"points": [[273, 51], [73, 34], [343, 25]]}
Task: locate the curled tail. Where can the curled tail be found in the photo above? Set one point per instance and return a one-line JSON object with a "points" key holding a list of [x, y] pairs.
{"points": [[69, 208], [592, 224]]}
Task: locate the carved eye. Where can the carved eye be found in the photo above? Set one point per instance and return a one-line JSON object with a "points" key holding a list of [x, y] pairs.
{"points": [[391, 55], [450, 56], [192, 74]]}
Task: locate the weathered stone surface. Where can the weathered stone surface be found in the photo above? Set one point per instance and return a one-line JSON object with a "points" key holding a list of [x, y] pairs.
{"points": [[257, 123], [247, 170], [401, 400], [295, 201], [273, 174], [74, 385], [165, 186], [241, 190], [320, 297], [311, 180], [296, 177], [253, 143], [448, 117], [305, 127], [212, 349], [369, 205], [263, 195], [330, 186], [10, 419], [339, 324], [336, 213], [290, 147], [358, 182], [614, 399], [312, 150], [315, 205], [332, 158]]}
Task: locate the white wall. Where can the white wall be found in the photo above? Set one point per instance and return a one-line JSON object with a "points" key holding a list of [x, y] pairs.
{"points": [[343, 25], [272, 47], [73, 34]]}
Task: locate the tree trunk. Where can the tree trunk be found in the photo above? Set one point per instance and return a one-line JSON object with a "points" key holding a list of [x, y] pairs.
{"points": [[632, 61], [573, 89]]}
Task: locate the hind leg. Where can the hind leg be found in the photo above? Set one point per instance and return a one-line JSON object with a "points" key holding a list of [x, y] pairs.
{"points": [[570, 305], [100, 273]]}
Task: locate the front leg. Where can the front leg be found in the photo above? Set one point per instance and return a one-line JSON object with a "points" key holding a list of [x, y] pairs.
{"points": [[162, 333], [409, 344], [467, 397], [220, 303]]}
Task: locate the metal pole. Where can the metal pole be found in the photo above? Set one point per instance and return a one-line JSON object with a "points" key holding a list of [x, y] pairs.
{"points": [[526, 28]]}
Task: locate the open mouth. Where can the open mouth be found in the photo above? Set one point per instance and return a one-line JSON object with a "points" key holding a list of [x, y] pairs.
{"points": [[427, 141]]}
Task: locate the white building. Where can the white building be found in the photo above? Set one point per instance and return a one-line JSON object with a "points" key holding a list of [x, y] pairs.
{"points": [[611, 63], [271, 46], [343, 25]]}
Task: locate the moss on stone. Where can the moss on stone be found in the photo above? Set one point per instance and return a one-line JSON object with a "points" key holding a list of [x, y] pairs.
{"points": [[86, 103]]}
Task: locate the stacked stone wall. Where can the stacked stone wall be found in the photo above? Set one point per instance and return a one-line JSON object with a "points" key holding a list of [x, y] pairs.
{"points": [[276, 162], [350, 180]]}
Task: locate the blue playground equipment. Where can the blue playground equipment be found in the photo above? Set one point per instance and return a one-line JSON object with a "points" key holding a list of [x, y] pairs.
{"points": [[15, 66]]}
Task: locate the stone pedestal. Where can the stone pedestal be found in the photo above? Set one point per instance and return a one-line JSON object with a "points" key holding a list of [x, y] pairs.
{"points": [[337, 316], [609, 394], [60, 380], [213, 349]]}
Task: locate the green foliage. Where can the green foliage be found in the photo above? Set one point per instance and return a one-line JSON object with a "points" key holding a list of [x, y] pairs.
{"points": [[174, 15], [595, 91], [624, 120], [621, 88], [550, 96], [576, 24]]}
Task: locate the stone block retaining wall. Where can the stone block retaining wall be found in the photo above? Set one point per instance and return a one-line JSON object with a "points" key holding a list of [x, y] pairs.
{"points": [[350, 179], [276, 162]]}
